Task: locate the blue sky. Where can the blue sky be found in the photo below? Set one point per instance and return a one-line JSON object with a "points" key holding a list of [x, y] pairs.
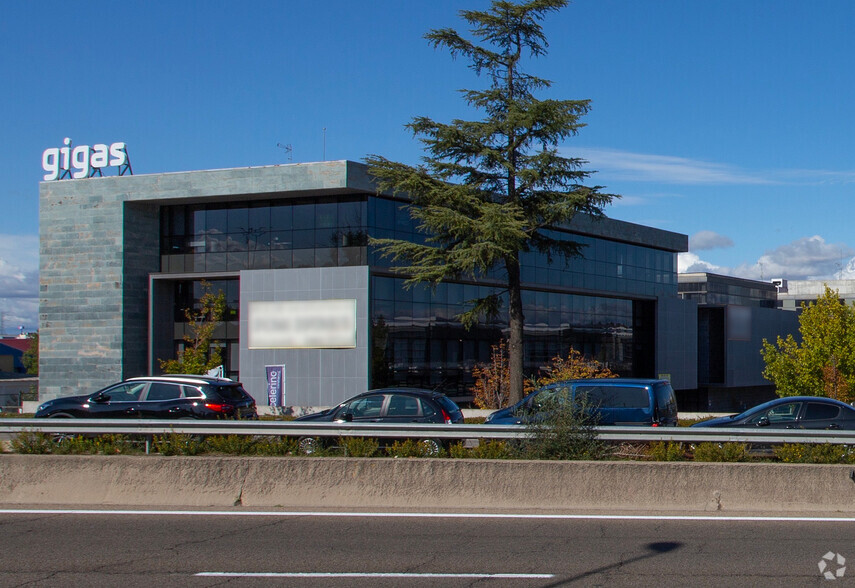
{"points": [[730, 121]]}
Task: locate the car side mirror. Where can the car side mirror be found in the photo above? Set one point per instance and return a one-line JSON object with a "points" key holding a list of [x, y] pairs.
{"points": [[763, 422], [347, 417], [101, 398]]}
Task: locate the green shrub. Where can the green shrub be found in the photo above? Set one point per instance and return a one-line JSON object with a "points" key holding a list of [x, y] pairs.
{"points": [[670, 451], [814, 453], [359, 446], [178, 444], [459, 451], [230, 444], [728, 452], [32, 442], [562, 430], [412, 448], [275, 446], [492, 449]]}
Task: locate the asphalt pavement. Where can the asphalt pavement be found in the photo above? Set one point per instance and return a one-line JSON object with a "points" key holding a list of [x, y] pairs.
{"points": [[263, 548]]}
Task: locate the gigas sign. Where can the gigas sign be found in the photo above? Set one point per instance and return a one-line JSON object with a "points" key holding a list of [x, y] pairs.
{"points": [[84, 161]]}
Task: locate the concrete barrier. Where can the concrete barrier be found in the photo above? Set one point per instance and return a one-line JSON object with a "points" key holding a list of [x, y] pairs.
{"points": [[382, 483]]}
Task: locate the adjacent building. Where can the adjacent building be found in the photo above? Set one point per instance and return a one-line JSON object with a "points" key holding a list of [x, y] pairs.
{"points": [[735, 315]]}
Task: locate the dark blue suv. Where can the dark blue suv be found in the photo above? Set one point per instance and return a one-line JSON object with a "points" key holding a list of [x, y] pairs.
{"points": [[612, 401]]}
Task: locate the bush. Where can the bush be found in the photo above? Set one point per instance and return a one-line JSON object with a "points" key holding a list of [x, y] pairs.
{"points": [[492, 449], [230, 444], [411, 448], [728, 452], [561, 430], [814, 453], [359, 446], [178, 444], [32, 443], [275, 446], [670, 451]]}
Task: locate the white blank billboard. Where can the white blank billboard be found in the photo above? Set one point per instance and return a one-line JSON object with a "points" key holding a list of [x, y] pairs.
{"points": [[302, 324]]}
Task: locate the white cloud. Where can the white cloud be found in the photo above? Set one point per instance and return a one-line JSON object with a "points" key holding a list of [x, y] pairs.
{"points": [[19, 282], [669, 169], [808, 258], [688, 263], [704, 240], [623, 165]]}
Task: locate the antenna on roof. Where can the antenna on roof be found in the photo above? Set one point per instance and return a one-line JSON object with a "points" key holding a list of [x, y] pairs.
{"points": [[288, 149]]}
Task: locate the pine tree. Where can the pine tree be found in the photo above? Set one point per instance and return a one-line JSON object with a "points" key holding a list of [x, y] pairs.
{"points": [[488, 189]]}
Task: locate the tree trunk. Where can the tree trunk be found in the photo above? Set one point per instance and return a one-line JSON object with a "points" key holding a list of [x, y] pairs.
{"points": [[515, 327]]}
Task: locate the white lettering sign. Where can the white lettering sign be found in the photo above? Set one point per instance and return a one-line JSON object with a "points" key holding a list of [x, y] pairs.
{"points": [[59, 162], [304, 324]]}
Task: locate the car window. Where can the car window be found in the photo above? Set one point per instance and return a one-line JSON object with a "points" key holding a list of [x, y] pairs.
{"points": [[192, 392], [401, 405], [613, 396], [126, 392], [231, 393], [159, 391], [781, 413], [445, 402], [428, 409], [366, 407], [816, 411], [665, 399]]}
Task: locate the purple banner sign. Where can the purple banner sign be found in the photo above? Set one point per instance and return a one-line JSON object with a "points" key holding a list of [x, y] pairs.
{"points": [[276, 385]]}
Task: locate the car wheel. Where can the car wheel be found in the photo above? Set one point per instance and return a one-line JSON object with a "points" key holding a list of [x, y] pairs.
{"points": [[431, 447], [308, 445], [60, 437]]}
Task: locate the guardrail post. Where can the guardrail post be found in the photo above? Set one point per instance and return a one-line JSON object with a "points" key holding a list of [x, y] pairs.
{"points": [[148, 444]]}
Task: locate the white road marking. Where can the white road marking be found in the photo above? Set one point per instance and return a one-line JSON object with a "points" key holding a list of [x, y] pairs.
{"points": [[430, 515], [368, 575]]}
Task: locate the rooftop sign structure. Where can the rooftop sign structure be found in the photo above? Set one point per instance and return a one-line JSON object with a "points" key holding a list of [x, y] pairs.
{"points": [[84, 161]]}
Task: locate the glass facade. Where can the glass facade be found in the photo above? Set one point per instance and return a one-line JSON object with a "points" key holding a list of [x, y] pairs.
{"points": [[314, 232], [709, 289], [602, 303], [187, 295], [417, 340]]}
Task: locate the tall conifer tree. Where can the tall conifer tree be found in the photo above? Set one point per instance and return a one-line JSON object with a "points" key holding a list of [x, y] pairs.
{"points": [[487, 189]]}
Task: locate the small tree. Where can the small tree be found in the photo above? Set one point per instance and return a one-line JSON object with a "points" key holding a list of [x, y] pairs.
{"points": [[824, 363], [198, 355], [563, 430], [575, 367], [492, 381], [30, 359]]}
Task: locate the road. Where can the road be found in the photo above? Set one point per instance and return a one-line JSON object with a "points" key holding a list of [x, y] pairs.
{"points": [[239, 548]]}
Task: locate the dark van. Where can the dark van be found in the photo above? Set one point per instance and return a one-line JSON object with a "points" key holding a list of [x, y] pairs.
{"points": [[613, 401]]}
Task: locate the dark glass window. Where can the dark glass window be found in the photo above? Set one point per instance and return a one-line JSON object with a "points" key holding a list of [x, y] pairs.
{"points": [[816, 411], [334, 227]]}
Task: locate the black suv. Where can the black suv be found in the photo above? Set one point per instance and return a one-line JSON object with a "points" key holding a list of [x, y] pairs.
{"points": [[158, 397]]}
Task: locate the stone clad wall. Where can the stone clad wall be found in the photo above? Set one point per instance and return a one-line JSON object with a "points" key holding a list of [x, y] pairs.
{"points": [[80, 286], [99, 241]]}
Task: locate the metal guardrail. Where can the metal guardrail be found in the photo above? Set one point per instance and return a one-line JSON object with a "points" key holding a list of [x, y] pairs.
{"points": [[148, 428]]}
